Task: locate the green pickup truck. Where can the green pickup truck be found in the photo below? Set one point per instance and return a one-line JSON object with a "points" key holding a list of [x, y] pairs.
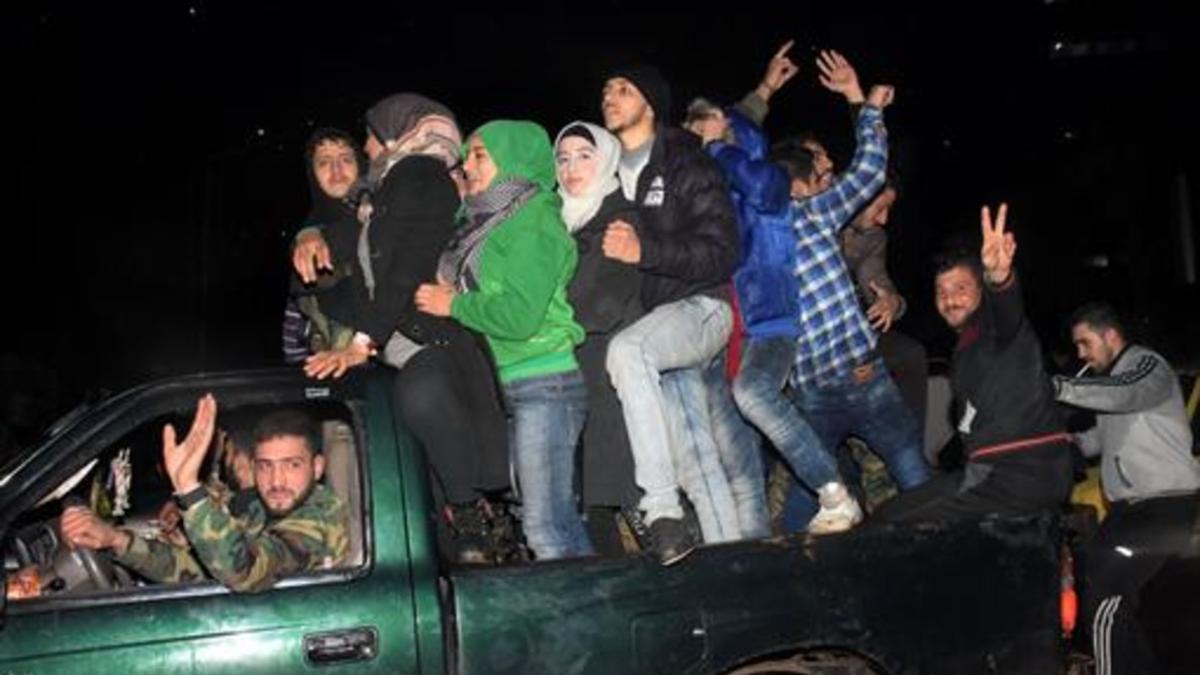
{"points": [[977, 598]]}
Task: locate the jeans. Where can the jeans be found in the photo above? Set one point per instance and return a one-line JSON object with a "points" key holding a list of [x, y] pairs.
{"points": [[696, 456], [740, 448], [548, 413], [681, 334], [759, 392], [873, 411]]}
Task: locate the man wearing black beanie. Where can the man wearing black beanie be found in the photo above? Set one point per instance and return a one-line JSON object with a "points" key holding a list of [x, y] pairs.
{"points": [[686, 247]]}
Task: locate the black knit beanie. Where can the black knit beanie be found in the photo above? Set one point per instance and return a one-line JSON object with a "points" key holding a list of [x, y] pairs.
{"points": [[654, 88]]}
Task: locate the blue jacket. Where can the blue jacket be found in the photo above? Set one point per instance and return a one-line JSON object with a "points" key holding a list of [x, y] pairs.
{"points": [[765, 280]]}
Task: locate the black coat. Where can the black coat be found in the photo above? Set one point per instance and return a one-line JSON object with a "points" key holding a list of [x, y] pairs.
{"points": [[412, 220], [688, 232], [606, 297]]}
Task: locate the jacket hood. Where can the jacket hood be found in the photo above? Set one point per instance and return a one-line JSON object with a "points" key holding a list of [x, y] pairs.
{"points": [[519, 149]]}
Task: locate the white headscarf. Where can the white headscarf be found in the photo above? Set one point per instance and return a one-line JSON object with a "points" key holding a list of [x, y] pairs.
{"points": [[578, 210]]}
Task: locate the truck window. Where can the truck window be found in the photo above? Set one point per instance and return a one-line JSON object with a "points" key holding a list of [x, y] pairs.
{"points": [[124, 483]]}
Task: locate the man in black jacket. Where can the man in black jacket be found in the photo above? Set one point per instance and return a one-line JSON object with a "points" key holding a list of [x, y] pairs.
{"points": [[686, 247], [1018, 451]]}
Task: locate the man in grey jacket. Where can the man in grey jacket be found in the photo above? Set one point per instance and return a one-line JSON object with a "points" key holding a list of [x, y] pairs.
{"points": [[1148, 474]]}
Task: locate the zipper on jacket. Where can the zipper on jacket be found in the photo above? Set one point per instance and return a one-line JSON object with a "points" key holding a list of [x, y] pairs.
{"points": [[1121, 472]]}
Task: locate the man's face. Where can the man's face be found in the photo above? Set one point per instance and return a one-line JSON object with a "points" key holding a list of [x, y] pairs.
{"points": [[478, 166], [623, 106], [957, 295], [335, 167], [576, 163], [1097, 348], [822, 166], [285, 471], [877, 212]]}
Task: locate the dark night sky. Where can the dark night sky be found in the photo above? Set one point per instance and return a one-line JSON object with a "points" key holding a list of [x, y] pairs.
{"points": [[152, 212]]}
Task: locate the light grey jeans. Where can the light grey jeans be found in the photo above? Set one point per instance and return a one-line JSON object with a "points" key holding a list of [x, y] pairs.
{"points": [[683, 334]]}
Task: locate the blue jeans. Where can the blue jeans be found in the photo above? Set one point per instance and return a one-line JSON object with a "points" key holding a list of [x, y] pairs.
{"points": [[683, 334], [740, 448], [759, 392], [873, 411], [548, 413], [697, 459]]}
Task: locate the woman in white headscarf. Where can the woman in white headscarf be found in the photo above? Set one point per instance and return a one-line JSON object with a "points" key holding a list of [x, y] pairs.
{"points": [[606, 297]]}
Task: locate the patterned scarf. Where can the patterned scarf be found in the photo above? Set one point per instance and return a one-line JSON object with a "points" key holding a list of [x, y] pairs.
{"points": [[459, 264]]}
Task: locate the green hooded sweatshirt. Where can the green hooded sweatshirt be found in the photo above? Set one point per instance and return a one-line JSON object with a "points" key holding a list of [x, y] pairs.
{"points": [[525, 265]]}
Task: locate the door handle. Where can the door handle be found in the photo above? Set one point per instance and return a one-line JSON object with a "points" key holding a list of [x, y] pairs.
{"points": [[341, 646]]}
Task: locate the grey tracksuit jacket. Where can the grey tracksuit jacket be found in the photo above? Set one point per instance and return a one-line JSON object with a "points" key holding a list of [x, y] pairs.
{"points": [[1141, 432]]}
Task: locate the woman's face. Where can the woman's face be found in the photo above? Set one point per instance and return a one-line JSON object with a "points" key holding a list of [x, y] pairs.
{"points": [[478, 166], [576, 161]]}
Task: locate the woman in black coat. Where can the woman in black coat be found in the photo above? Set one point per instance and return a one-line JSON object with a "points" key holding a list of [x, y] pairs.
{"points": [[445, 389], [606, 297]]}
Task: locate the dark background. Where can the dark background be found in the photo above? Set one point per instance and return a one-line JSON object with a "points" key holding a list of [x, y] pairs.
{"points": [[158, 171]]}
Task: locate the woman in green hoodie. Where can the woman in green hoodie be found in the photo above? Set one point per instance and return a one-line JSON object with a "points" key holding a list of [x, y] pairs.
{"points": [[505, 274]]}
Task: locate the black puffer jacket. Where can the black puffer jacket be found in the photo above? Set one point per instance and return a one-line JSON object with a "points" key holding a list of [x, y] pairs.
{"points": [[688, 228]]}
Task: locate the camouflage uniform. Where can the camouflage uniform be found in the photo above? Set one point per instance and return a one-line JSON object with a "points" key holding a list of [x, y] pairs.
{"points": [[248, 553]]}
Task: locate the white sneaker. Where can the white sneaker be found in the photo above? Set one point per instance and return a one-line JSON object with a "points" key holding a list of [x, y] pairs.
{"points": [[839, 511]]}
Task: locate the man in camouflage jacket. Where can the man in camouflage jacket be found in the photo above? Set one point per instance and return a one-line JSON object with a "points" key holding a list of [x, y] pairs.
{"points": [[295, 525]]}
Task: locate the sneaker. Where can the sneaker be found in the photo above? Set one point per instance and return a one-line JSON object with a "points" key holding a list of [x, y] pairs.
{"points": [[839, 511], [671, 540]]}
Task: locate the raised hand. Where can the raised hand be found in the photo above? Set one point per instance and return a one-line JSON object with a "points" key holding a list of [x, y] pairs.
{"points": [[881, 96], [183, 460], [780, 69], [999, 247], [839, 76], [311, 254]]}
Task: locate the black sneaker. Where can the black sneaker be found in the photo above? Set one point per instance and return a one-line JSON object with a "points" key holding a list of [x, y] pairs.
{"points": [[672, 540]]}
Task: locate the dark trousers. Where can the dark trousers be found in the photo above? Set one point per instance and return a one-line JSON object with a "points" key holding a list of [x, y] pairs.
{"points": [[1021, 483], [1132, 544], [446, 397]]}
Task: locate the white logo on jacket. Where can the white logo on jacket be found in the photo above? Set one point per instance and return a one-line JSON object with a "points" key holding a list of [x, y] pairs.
{"points": [[656, 193]]}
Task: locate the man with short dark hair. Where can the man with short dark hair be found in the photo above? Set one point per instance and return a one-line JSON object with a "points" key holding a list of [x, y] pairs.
{"points": [[685, 246], [1148, 474], [296, 525], [1018, 452]]}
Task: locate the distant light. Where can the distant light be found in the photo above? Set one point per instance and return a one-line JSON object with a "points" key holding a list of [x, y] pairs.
{"points": [[1058, 46], [192, 11], [1097, 261], [1069, 135], [1124, 550], [261, 132], [946, 143]]}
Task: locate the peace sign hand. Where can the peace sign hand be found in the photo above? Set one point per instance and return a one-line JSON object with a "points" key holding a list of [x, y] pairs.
{"points": [[999, 247]]}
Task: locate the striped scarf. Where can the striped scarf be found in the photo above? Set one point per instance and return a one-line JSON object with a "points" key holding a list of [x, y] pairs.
{"points": [[459, 264]]}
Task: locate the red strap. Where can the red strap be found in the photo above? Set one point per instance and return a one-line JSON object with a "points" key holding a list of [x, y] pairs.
{"points": [[1025, 444]]}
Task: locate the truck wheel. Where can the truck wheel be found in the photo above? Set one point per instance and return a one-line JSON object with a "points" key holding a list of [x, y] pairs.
{"points": [[812, 663]]}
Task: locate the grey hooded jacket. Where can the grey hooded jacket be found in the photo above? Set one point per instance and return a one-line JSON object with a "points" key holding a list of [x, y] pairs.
{"points": [[1142, 431]]}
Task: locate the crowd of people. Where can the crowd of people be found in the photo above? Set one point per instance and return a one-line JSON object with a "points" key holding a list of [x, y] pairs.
{"points": [[626, 328]]}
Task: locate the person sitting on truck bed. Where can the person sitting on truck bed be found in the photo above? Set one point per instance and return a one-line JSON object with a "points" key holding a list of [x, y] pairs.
{"points": [[1150, 480], [505, 274], [1018, 451], [295, 525]]}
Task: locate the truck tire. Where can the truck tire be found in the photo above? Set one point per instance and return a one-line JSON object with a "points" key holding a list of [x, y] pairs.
{"points": [[812, 663]]}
